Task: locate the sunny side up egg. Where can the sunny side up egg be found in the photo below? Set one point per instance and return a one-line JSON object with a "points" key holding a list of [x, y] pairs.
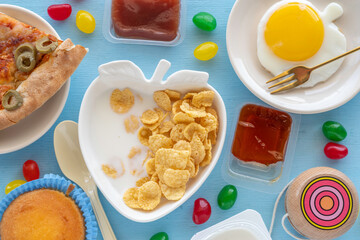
{"points": [[295, 33]]}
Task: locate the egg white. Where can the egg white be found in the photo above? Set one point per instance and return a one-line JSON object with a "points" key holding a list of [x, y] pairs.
{"points": [[334, 44]]}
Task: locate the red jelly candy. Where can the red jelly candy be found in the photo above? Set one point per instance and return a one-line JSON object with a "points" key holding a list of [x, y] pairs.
{"points": [[59, 11], [335, 150], [31, 170], [202, 211]]}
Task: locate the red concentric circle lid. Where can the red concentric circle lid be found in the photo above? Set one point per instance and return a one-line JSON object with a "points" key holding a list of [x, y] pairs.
{"points": [[322, 203]]}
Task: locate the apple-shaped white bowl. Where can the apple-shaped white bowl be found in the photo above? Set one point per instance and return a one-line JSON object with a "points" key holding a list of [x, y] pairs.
{"points": [[103, 139]]}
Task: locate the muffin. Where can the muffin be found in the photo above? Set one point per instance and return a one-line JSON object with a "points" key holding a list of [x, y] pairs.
{"points": [[40, 210], [42, 214]]}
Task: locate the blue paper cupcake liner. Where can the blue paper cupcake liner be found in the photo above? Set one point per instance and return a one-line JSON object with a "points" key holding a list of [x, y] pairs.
{"points": [[52, 181]]}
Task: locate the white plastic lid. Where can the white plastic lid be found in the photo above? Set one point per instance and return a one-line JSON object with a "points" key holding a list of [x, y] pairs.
{"points": [[247, 225]]}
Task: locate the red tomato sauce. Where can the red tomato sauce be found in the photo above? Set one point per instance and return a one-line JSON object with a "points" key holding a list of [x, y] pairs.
{"points": [[261, 135], [146, 19]]}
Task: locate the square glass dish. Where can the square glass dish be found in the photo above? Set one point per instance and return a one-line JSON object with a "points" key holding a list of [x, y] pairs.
{"points": [[262, 148], [146, 22]]}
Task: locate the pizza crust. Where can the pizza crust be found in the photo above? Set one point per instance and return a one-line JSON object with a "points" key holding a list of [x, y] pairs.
{"points": [[4, 121], [45, 81]]}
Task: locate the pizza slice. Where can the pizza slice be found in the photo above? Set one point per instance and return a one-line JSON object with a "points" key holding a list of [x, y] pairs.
{"points": [[33, 67]]}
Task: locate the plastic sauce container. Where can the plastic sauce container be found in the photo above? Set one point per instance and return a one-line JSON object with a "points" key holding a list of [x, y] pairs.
{"points": [[247, 225], [261, 148], [144, 22]]}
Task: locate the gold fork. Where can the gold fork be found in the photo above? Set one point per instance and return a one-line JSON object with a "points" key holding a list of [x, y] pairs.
{"points": [[300, 74]]}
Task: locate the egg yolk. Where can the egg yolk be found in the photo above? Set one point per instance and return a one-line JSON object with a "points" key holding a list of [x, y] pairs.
{"points": [[294, 32]]}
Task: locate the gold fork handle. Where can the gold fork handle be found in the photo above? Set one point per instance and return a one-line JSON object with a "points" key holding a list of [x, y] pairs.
{"points": [[335, 58]]}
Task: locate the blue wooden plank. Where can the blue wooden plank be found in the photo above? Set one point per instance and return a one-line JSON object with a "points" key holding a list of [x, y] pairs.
{"points": [[178, 224]]}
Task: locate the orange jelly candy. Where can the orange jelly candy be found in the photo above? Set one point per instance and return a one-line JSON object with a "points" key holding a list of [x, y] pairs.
{"points": [[261, 135], [146, 19]]}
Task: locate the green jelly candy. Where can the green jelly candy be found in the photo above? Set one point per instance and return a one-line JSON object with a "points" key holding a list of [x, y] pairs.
{"points": [[334, 131], [205, 21], [160, 236], [227, 197]]}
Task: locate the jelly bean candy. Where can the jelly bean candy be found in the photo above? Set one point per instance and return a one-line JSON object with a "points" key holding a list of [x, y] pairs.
{"points": [[85, 21], [206, 51], [59, 11], [202, 211], [227, 197], [334, 131], [12, 185], [205, 21], [160, 236], [31, 170], [335, 151]]}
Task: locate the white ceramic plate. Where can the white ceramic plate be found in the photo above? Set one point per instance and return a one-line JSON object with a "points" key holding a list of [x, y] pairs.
{"points": [[103, 139], [241, 38], [39, 122]]}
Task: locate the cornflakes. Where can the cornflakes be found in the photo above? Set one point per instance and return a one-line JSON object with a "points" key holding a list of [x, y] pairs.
{"points": [[155, 178], [173, 95], [191, 110], [166, 127], [212, 136], [191, 168], [182, 117], [209, 122], [149, 117], [131, 124], [158, 141], [212, 111], [172, 193], [121, 101], [162, 116], [197, 149], [176, 107], [144, 135], [110, 171], [178, 147], [122, 168], [141, 181], [150, 166], [182, 145], [131, 197], [195, 128], [148, 154], [171, 158], [149, 195], [176, 178], [160, 170], [177, 133], [204, 98], [189, 95], [197, 168], [207, 144], [162, 100], [207, 159], [133, 152]]}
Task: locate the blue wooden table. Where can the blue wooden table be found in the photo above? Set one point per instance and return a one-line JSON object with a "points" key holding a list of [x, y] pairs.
{"points": [[178, 224]]}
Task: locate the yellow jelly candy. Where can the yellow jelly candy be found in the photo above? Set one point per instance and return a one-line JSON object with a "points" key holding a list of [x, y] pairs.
{"points": [[12, 185], [206, 51], [85, 21]]}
